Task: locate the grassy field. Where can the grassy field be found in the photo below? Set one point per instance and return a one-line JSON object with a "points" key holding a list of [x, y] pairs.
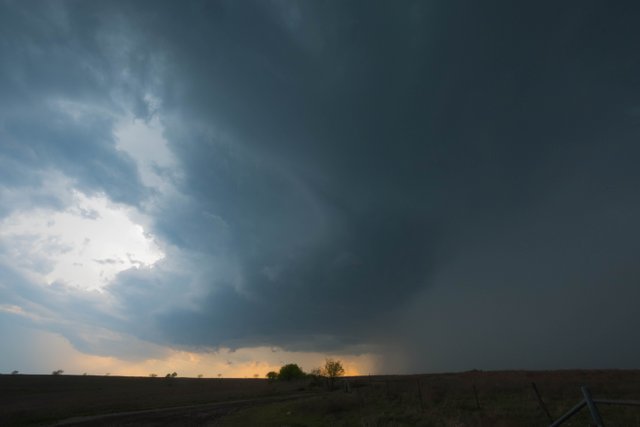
{"points": [[503, 399]]}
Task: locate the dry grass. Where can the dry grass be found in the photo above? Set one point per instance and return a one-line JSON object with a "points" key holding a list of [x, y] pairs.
{"points": [[506, 399]]}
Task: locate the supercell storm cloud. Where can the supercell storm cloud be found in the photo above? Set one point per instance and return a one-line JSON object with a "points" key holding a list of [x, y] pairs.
{"points": [[446, 185]]}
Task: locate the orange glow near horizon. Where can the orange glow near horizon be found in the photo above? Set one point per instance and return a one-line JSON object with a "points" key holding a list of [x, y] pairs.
{"points": [[224, 363]]}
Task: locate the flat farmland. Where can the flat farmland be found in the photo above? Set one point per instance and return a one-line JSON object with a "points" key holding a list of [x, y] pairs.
{"points": [[475, 398], [45, 399]]}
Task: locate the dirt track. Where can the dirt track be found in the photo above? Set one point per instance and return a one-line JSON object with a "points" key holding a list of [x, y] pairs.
{"points": [[192, 415]]}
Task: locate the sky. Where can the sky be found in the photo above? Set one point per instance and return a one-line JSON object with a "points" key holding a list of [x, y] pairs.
{"points": [[222, 187]]}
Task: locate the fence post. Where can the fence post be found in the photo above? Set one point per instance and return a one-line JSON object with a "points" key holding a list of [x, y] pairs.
{"points": [[541, 402], [595, 414], [569, 414], [420, 395], [475, 393]]}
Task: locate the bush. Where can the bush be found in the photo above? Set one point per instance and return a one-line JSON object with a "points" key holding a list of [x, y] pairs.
{"points": [[290, 372], [272, 375]]}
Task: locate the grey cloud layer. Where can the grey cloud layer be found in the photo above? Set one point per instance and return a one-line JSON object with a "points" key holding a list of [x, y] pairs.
{"points": [[62, 84], [352, 169]]}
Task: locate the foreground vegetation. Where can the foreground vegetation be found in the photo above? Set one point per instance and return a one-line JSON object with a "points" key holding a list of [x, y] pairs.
{"points": [[328, 374], [464, 399]]}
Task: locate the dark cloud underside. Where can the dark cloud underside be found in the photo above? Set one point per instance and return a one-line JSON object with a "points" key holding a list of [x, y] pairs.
{"points": [[353, 169]]}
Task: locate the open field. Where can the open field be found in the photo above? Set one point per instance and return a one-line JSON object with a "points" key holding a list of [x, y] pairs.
{"points": [[44, 399], [503, 399]]}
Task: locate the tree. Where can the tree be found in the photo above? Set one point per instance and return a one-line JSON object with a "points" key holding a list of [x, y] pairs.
{"points": [[200, 375], [152, 375], [58, 372], [272, 375], [332, 370], [15, 373], [290, 372]]}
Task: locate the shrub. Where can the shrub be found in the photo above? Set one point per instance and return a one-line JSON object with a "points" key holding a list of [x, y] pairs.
{"points": [[290, 372], [272, 375]]}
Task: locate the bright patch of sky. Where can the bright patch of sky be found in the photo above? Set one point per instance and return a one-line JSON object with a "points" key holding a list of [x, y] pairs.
{"points": [[145, 143], [84, 245]]}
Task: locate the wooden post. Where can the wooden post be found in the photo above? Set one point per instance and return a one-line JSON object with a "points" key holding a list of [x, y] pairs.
{"points": [[420, 395], [475, 393], [541, 402]]}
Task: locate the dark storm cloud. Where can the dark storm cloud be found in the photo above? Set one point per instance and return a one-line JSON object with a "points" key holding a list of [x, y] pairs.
{"points": [[408, 134], [375, 173], [554, 288], [287, 176], [60, 95]]}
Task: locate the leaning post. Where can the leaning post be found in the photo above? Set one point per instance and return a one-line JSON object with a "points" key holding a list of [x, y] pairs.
{"points": [[541, 402], [595, 414]]}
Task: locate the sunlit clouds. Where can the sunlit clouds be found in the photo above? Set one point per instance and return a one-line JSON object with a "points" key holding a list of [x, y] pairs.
{"points": [[145, 143], [83, 246]]}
